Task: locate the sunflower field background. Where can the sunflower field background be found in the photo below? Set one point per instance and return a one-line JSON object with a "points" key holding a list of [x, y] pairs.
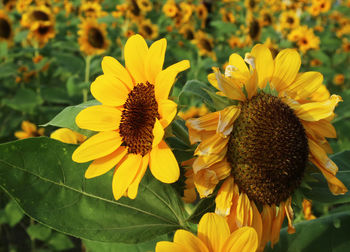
{"points": [[51, 52]]}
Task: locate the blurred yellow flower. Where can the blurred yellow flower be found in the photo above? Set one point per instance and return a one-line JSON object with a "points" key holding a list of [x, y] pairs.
{"points": [[29, 130], [92, 37]]}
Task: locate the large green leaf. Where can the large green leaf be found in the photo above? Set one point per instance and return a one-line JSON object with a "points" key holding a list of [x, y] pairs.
{"points": [[330, 233], [66, 118], [40, 176], [319, 189]]}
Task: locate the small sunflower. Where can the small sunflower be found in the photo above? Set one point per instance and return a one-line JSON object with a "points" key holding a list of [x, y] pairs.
{"points": [[42, 32], [205, 44], [6, 32], [170, 8], [187, 31], [144, 5], [213, 236], [35, 14], [29, 130], [289, 20], [92, 37], [261, 146], [148, 30], [91, 10], [304, 38], [135, 111]]}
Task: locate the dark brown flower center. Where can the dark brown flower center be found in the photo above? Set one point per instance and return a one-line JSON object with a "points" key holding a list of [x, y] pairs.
{"points": [[95, 38], [40, 16], [148, 29], [43, 30], [5, 29], [138, 117], [254, 29], [268, 150], [206, 45]]}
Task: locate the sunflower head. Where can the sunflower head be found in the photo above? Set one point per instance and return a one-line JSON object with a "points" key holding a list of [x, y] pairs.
{"points": [[92, 37], [6, 32], [36, 14], [130, 122], [148, 30]]}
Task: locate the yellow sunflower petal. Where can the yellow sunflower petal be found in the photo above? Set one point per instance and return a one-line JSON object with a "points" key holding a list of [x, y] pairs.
{"points": [[244, 211], [212, 80], [223, 200], [211, 145], [244, 239], [136, 50], [203, 162], [158, 133], [111, 66], [99, 145], [321, 156], [287, 64], [134, 186], [290, 216], [314, 111], [263, 64], [28, 127], [226, 119], [104, 164], [192, 242], [167, 110], [208, 228], [165, 79], [237, 61], [155, 60], [165, 246], [205, 182], [305, 84], [99, 118], [125, 174], [65, 135], [230, 89], [322, 128], [207, 122], [109, 90], [163, 164], [267, 219], [257, 221]]}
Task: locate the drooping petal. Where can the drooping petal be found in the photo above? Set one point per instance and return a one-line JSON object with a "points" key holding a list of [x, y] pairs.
{"points": [[244, 239], [111, 66], [192, 242], [166, 78], [104, 164], [213, 230], [290, 216], [212, 80], [244, 211], [207, 122], [257, 221], [263, 63], [321, 128], [320, 155], [314, 111], [267, 216], [135, 51], [287, 64], [305, 84], [228, 87], [203, 162], [163, 164], [165, 246], [125, 174], [99, 145], [155, 60], [99, 118], [205, 181], [134, 186], [226, 118], [211, 145], [109, 90], [223, 200], [167, 110]]}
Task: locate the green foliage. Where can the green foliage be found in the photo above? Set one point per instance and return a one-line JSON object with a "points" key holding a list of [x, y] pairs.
{"points": [[62, 199]]}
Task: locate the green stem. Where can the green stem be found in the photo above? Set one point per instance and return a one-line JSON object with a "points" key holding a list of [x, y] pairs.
{"points": [[87, 75]]}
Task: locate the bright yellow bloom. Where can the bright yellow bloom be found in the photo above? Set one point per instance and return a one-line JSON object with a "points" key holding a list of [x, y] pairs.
{"points": [[261, 146], [66, 135], [130, 122], [305, 38], [170, 8], [29, 130], [213, 236]]}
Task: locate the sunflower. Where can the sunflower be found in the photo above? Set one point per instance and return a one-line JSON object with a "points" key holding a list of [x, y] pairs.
{"points": [[42, 32], [205, 44], [170, 8], [305, 38], [92, 37], [29, 130], [338, 79], [91, 10], [261, 146], [187, 30], [202, 13], [131, 120], [6, 32], [148, 30], [35, 14], [289, 20], [144, 5], [213, 235]]}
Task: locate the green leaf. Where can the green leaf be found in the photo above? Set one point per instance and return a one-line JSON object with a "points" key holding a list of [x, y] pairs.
{"points": [[60, 242], [320, 191], [205, 205], [40, 175], [55, 95], [25, 100], [195, 91], [13, 213], [339, 58], [93, 246], [66, 118], [329, 233], [7, 70], [38, 231]]}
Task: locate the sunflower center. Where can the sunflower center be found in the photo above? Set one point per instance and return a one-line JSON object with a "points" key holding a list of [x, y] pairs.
{"points": [[138, 117], [148, 29], [254, 29], [40, 15], [268, 150], [206, 45], [5, 29], [95, 38], [43, 30]]}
